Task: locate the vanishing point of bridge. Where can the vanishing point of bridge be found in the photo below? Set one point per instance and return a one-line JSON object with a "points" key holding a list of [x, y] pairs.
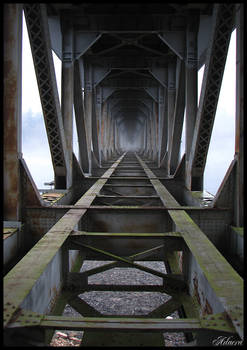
{"points": [[129, 75]]}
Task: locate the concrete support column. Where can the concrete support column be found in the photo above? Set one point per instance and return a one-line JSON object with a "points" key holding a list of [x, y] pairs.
{"points": [[191, 84], [68, 93], [12, 109], [239, 142]]}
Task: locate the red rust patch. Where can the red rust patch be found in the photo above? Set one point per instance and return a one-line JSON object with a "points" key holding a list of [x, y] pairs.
{"points": [[207, 309], [195, 282]]}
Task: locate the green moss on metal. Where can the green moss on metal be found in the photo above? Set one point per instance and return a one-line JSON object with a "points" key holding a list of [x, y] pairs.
{"points": [[77, 264], [238, 230]]}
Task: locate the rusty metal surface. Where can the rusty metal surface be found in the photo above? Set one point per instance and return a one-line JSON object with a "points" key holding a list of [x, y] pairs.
{"points": [[21, 279], [119, 86], [12, 109], [226, 284]]}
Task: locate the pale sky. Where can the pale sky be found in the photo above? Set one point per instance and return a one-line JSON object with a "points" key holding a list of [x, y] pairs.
{"points": [[35, 146]]}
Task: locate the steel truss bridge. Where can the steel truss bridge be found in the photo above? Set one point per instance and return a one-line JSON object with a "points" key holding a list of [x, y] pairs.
{"points": [[129, 75]]}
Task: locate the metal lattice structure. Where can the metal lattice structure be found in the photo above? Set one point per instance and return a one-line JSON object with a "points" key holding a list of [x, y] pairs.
{"points": [[129, 72], [43, 62], [214, 69]]}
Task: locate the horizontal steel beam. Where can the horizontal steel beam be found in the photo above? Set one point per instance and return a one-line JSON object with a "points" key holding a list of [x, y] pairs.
{"points": [[136, 207], [222, 278], [173, 281], [20, 280], [125, 324], [123, 234]]}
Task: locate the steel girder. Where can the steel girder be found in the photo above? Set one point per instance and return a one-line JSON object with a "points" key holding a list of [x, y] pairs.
{"points": [[36, 19]]}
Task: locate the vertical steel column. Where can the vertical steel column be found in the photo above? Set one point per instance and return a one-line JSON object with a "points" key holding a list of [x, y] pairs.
{"points": [[152, 132], [12, 109], [222, 25], [80, 116], [39, 35], [155, 121], [171, 94], [239, 143], [95, 125], [171, 98], [162, 123], [111, 130], [99, 120], [116, 137], [173, 155], [149, 136], [145, 137], [164, 143], [88, 100], [104, 126], [67, 92], [107, 132], [191, 84]]}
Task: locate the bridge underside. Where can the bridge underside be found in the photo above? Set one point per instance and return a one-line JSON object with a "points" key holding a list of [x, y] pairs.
{"points": [[129, 76]]}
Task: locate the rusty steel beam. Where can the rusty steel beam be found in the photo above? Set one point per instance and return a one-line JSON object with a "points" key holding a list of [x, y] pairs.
{"points": [[239, 130], [21, 279], [38, 31], [224, 281], [210, 90], [171, 280], [67, 91], [12, 110], [80, 117], [127, 324]]}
